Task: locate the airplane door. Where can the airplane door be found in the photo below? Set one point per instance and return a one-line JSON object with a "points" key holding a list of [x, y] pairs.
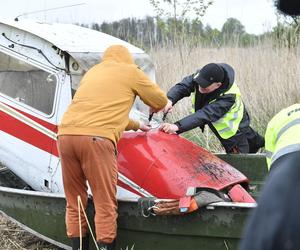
{"points": [[29, 96], [63, 101]]}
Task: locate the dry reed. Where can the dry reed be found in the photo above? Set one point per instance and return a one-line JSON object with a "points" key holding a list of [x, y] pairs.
{"points": [[14, 237]]}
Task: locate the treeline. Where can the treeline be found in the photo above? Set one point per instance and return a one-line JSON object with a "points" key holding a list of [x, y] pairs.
{"points": [[152, 32]]}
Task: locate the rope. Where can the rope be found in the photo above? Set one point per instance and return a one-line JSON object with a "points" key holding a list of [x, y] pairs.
{"points": [[79, 217], [80, 206]]}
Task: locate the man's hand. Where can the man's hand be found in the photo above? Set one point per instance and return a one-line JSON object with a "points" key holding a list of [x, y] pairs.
{"points": [[169, 128], [168, 108], [144, 127]]}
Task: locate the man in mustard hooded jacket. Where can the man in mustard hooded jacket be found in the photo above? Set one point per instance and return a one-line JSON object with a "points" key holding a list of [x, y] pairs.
{"points": [[88, 134]]}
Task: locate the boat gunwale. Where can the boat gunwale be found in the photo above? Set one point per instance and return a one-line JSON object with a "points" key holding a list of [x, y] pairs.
{"points": [[129, 200]]}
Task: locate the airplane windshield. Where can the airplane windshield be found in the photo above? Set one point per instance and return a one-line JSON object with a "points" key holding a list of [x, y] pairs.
{"points": [[27, 84]]}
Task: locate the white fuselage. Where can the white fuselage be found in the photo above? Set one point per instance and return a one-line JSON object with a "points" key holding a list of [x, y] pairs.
{"points": [[40, 68]]}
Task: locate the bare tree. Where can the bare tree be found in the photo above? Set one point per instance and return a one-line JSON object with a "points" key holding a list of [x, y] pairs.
{"points": [[180, 10]]}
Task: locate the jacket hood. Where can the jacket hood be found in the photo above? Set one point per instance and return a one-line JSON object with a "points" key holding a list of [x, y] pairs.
{"points": [[118, 53], [229, 75]]}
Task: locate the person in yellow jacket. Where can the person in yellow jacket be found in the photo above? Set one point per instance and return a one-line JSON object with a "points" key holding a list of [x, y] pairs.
{"points": [[88, 135], [275, 223], [283, 134]]}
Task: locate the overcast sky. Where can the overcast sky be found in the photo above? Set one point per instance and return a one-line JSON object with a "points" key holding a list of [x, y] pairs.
{"points": [[257, 16]]}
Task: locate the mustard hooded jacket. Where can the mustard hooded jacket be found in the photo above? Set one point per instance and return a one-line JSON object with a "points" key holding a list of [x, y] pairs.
{"points": [[107, 91]]}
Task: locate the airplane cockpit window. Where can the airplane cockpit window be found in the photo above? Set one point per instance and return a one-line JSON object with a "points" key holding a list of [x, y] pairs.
{"points": [[27, 84]]}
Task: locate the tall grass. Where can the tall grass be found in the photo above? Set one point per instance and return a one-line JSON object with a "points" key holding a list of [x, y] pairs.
{"points": [[268, 77]]}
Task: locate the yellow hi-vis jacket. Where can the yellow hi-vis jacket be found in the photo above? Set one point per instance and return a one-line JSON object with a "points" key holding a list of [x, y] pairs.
{"points": [[283, 134], [228, 125]]}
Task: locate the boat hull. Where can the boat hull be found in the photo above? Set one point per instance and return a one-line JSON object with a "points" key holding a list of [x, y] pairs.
{"points": [[218, 226], [208, 228]]}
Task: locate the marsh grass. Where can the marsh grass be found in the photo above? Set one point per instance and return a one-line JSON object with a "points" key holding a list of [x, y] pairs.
{"points": [[268, 78]]}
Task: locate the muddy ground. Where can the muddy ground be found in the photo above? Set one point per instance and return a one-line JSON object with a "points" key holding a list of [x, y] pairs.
{"points": [[13, 237]]}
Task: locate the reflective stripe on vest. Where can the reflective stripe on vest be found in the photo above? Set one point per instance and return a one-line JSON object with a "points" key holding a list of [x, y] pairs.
{"points": [[193, 98], [228, 125], [269, 154], [286, 127], [287, 149], [283, 134]]}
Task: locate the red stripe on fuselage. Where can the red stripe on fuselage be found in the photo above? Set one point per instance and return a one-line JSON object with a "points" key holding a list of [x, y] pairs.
{"points": [[45, 124], [24, 132]]}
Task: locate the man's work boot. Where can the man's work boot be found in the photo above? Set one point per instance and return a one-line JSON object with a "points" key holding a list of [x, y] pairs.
{"points": [[76, 243], [106, 246]]}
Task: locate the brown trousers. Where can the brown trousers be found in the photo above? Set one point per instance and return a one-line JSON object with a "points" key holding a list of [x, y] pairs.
{"points": [[92, 159]]}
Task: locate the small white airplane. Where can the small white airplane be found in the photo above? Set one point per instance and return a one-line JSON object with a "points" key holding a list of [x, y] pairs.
{"points": [[40, 68]]}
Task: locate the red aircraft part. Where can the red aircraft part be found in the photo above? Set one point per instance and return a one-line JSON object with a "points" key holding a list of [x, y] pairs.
{"points": [[238, 194], [167, 165]]}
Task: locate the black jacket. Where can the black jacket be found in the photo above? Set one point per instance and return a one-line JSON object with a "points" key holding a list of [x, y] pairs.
{"points": [[205, 112]]}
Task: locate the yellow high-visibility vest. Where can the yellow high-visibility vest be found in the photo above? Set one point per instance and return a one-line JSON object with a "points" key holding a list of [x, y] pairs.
{"points": [[283, 134], [228, 125]]}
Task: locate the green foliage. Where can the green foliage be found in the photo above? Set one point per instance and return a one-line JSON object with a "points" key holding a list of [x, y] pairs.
{"points": [[287, 31], [233, 27], [152, 32], [286, 35], [233, 34], [178, 22]]}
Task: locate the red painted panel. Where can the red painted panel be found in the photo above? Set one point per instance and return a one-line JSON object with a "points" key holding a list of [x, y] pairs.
{"points": [[238, 194], [172, 164], [135, 157]]}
